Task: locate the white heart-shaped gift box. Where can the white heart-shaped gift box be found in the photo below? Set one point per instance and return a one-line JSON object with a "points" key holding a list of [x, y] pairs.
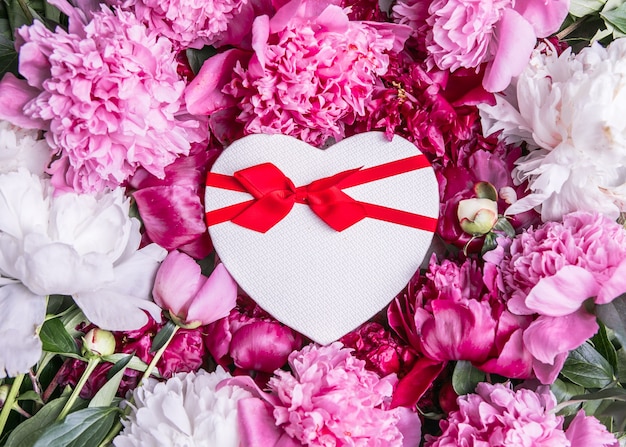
{"points": [[315, 279]]}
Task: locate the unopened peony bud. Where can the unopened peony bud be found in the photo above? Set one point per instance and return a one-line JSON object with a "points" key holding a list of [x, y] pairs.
{"points": [[477, 216], [98, 342]]}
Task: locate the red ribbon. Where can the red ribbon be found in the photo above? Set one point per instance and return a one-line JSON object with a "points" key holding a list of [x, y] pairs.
{"points": [[275, 195]]}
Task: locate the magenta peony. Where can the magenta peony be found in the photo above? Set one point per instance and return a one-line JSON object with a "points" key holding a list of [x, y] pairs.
{"points": [[586, 431], [190, 24], [498, 416], [331, 399], [311, 73], [108, 95], [502, 33], [251, 340]]}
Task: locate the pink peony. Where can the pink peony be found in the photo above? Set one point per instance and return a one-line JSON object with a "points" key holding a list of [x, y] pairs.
{"points": [[311, 73], [190, 24], [549, 272], [108, 95], [585, 431], [502, 33], [498, 416], [331, 399]]}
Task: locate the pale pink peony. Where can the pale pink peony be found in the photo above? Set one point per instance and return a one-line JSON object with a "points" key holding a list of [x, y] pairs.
{"points": [[502, 33], [187, 23], [331, 399], [108, 95], [311, 73], [498, 416]]}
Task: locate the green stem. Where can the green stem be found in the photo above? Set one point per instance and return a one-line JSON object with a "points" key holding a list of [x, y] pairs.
{"points": [[118, 425], [91, 366], [10, 401], [158, 356]]}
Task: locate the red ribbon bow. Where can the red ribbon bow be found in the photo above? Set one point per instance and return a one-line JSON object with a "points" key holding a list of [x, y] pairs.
{"points": [[275, 195]]}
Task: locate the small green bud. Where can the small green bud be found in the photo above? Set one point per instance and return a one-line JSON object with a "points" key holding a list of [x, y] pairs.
{"points": [[98, 342]]}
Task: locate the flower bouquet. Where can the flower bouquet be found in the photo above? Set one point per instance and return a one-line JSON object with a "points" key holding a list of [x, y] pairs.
{"points": [[415, 218]]}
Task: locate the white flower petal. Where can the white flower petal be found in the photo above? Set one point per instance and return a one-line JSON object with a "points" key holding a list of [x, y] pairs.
{"points": [[22, 313]]}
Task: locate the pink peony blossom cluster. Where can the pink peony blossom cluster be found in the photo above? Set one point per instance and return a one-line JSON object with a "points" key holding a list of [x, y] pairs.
{"points": [[331, 399], [108, 95], [501, 33], [187, 23], [549, 272], [496, 415], [311, 73]]}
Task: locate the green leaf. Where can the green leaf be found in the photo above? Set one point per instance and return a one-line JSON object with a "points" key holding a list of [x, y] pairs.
{"points": [[617, 411], [30, 395], [106, 394], [581, 8], [197, 58], [586, 367], [135, 363], [563, 391], [465, 377], [8, 56], [616, 17], [163, 336], [613, 315], [29, 431], [604, 346], [83, 428], [56, 339], [609, 393], [503, 224]]}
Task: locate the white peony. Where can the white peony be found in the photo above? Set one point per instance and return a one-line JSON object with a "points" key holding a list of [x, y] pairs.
{"points": [[21, 148], [186, 411], [571, 110], [71, 244]]}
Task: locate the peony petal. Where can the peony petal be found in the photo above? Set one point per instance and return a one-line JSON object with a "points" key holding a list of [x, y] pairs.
{"points": [[263, 346], [414, 384], [614, 286], [215, 299], [172, 215], [257, 426], [14, 95], [177, 282], [513, 359], [22, 314], [410, 426], [548, 372], [545, 17], [585, 431], [547, 337], [203, 95], [515, 39], [562, 293]]}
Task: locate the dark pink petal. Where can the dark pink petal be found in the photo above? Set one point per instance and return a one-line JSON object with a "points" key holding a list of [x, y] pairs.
{"points": [[172, 215], [515, 42], [513, 359], [14, 95], [546, 17], [412, 387], [263, 346], [459, 331]]}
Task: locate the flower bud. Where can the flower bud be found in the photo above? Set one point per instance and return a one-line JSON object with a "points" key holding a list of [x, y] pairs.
{"points": [[98, 342], [4, 392], [477, 216]]}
